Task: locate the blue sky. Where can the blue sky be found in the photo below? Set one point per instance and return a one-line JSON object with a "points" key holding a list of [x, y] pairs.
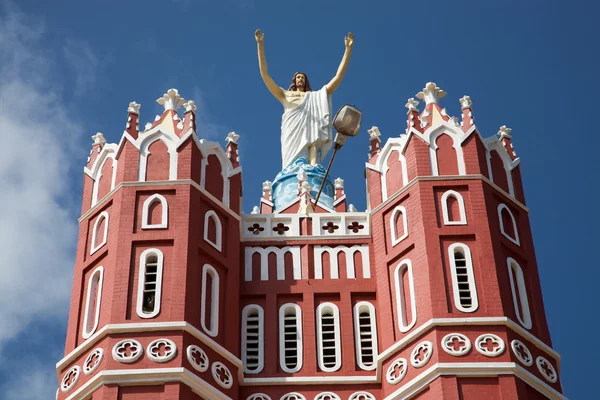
{"points": [[69, 70]]}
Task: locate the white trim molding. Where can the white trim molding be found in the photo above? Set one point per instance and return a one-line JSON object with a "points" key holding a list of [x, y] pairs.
{"points": [[93, 301], [143, 281], [290, 337], [149, 138], [458, 278], [457, 136], [218, 243], [519, 292], [164, 219], [96, 246], [462, 215], [108, 151], [396, 238], [401, 298], [515, 240], [332, 313], [253, 338], [264, 262], [349, 252], [365, 335], [213, 325]]}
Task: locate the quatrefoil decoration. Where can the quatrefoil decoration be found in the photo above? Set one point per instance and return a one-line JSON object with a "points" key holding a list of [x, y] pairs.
{"points": [[92, 361], [490, 345], [161, 350], [546, 369], [327, 396], [293, 396], [256, 229], [355, 226], [362, 396], [222, 375], [521, 352], [70, 379], [396, 371], [330, 227], [281, 228], [258, 396], [456, 344], [197, 357], [421, 354], [127, 351]]}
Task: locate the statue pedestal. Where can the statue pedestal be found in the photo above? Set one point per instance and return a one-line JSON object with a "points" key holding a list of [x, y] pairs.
{"points": [[285, 186]]}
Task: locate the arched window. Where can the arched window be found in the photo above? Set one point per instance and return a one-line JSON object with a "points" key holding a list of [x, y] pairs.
{"points": [[508, 224], [209, 313], [213, 234], [405, 296], [463, 279], [453, 208], [149, 283], [290, 337], [519, 293], [92, 302], [253, 338], [398, 225], [365, 335], [328, 337], [150, 211], [99, 232]]}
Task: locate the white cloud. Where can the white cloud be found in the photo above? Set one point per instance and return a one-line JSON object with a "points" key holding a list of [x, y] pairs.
{"points": [[83, 62]]}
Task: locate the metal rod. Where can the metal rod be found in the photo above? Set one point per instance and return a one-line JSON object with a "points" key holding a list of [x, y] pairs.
{"points": [[335, 149]]}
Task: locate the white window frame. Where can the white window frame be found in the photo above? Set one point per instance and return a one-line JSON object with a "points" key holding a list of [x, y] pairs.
{"points": [[103, 216], [523, 315], [213, 329], [218, 228], [87, 312], [146, 212], [358, 308], [337, 338], [142, 280], [403, 323], [461, 208], [395, 238], [515, 240], [299, 344], [470, 276], [261, 333]]}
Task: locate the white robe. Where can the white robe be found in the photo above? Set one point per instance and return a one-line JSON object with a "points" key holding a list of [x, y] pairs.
{"points": [[305, 120]]}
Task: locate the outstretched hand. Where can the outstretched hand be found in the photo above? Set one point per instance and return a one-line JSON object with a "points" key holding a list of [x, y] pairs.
{"points": [[349, 40], [260, 37]]}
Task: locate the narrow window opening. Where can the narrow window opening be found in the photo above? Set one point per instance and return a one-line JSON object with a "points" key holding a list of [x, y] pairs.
{"points": [[463, 279], [405, 296], [252, 340], [328, 339], [453, 210], [290, 338], [208, 299], [209, 312], [150, 280], [155, 212], [365, 335], [519, 293], [92, 304], [149, 283]]}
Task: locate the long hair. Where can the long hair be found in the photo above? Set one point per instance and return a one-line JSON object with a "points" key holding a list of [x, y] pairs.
{"points": [[293, 87]]}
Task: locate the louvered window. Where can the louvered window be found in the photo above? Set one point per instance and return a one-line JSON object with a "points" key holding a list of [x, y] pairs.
{"points": [[290, 338], [365, 332], [252, 338], [463, 280], [328, 337], [150, 282]]}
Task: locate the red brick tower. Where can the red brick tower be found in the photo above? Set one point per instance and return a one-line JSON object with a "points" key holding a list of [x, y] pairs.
{"points": [[432, 293]]}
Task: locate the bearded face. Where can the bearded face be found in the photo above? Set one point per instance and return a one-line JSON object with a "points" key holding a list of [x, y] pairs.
{"points": [[300, 81]]}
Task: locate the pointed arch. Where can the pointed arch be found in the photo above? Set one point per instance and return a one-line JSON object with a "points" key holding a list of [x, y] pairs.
{"points": [[384, 168], [99, 238], [146, 214], [365, 335], [97, 174], [218, 242], [446, 210], [519, 292], [225, 168], [397, 236], [210, 300], [149, 283], [328, 337], [253, 329], [506, 216], [145, 152], [290, 338], [405, 296], [456, 135], [463, 278], [93, 300]]}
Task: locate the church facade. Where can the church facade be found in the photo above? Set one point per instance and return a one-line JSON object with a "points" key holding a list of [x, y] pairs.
{"points": [[432, 293]]}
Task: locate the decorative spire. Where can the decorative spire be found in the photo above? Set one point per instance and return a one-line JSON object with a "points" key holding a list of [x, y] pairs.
{"points": [[301, 175], [98, 139], [266, 187], [171, 100], [465, 102], [339, 183], [351, 208], [134, 108], [504, 132], [232, 137], [255, 210], [231, 148], [190, 106], [412, 104], [374, 141], [431, 93], [374, 132]]}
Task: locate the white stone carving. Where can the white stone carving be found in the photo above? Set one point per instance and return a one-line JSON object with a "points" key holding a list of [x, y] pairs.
{"points": [[92, 361], [197, 357], [361, 396], [431, 93], [327, 396], [293, 396], [421, 354], [70, 379], [456, 344], [266, 186], [301, 176], [397, 237], [521, 352], [258, 396], [161, 350], [546, 369], [222, 375], [171, 100], [127, 351], [339, 183], [340, 224], [504, 132], [397, 371], [374, 132], [465, 102], [351, 208], [190, 106], [490, 345], [255, 210], [264, 262], [98, 138], [147, 126], [412, 104], [232, 137], [134, 108], [334, 273]]}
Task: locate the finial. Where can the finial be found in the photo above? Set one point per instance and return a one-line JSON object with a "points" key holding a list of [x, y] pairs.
{"points": [[171, 100], [504, 132], [190, 106], [455, 121], [147, 126], [465, 102], [134, 108], [232, 137], [305, 187], [339, 183], [98, 138], [374, 132], [267, 185], [301, 175], [412, 104], [431, 93], [255, 210], [351, 208]]}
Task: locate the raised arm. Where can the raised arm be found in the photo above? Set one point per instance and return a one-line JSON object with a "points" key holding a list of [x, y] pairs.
{"points": [[337, 79], [262, 64]]}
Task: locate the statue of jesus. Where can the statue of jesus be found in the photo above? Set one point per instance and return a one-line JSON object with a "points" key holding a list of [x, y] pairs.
{"points": [[305, 124]]}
